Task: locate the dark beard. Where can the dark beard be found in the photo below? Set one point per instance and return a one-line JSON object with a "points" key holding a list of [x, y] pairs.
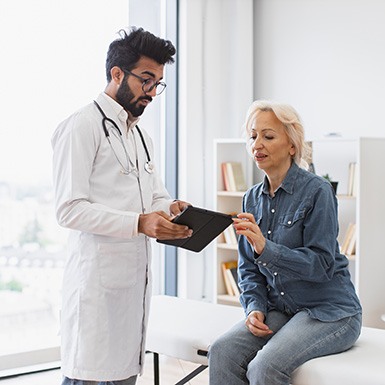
{"points": [[124, 96]]}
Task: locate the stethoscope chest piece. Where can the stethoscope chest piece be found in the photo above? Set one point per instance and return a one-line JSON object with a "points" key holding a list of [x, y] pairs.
{"points": [[149, 167]]}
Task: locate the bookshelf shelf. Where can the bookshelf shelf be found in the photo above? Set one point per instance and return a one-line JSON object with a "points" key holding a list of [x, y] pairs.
{"points": [[235, 194], [226, 246], [351, 257], [226, 299], [345, 196]]}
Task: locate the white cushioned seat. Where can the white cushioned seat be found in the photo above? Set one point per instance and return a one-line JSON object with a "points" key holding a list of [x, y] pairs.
{"points": [[181, 328], [363, 364], [185, 329]]}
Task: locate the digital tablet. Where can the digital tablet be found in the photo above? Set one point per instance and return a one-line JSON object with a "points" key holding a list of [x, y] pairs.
{"points": [[206, 226]]}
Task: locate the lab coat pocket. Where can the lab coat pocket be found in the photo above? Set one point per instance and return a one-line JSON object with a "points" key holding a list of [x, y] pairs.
{"points": [[118, 264]]}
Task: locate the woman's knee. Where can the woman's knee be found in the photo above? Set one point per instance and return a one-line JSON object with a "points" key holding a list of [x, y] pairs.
{"points": [[219, 349], [262, 371], [230, 347]]}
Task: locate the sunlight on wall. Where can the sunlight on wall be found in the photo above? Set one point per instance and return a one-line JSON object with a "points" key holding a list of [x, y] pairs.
{"points": [[53, 56]]}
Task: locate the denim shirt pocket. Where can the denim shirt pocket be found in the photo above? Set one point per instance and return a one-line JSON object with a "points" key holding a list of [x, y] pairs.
{"points": [[290, 228], [289, 219]]}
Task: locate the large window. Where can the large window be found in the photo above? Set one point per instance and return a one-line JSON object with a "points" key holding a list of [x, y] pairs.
{"points": [[52, 63]]}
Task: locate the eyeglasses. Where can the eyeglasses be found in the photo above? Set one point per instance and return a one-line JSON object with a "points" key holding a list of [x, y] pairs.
{"points": [[149, 84]]}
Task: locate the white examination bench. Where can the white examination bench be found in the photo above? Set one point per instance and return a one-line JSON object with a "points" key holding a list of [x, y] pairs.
{"points": [[184, 329]]}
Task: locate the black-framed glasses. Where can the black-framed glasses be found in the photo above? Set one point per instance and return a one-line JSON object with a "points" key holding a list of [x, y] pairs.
{"points": [[149, 84]]}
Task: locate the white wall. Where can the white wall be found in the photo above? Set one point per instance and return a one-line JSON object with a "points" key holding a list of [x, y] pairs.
{"points": [[326, 58], [53, 57], [216, 87]]}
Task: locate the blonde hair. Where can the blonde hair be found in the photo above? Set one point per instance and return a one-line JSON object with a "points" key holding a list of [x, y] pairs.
{"points": [[291, 121]]}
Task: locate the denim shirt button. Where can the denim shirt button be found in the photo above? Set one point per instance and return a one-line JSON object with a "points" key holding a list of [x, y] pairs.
{"points": [[289, 222], [282, 293], [273, 210], [275, 273], [264, 264], [269, 232]]}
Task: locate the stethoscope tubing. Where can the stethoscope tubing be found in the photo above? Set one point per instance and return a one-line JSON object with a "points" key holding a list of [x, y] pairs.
{"points": [[148, 165]]}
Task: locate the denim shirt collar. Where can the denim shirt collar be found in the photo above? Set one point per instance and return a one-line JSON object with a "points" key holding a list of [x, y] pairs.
{"points": [[288, 182]]}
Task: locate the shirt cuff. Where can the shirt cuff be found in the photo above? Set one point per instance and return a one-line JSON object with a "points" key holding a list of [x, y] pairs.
{"points": [[130, 225], [135, 227]]}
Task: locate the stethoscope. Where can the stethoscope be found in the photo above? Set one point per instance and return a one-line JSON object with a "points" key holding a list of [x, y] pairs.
{"points": [[131, 167]]}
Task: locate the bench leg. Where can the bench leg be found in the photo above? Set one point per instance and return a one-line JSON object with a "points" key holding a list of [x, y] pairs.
{"points": [[194, 373], [184, 380], [156, 368]]}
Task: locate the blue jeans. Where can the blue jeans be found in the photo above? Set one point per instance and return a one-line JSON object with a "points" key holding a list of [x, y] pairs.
{"points": [[237, 357], [70, 381]]}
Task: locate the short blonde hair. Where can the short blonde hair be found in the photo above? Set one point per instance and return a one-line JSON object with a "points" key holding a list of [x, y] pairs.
{"points": [[291, 121]]}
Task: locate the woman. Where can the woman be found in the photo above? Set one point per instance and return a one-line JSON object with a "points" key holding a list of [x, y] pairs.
{"points": [[296, 290]]}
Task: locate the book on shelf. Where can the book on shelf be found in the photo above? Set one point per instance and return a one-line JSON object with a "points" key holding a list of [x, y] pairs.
{"points": [[233, 176], [225, 176], [348, 246], [230, 236], [347, 238], [351, 249], [352, 180], [230, 277], [234, 280]]}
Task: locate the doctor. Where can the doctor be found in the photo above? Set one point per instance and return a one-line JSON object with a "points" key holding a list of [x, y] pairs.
{"points": [[109, 195]]}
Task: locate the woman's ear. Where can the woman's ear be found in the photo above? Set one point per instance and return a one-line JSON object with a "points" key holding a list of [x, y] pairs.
{"points": [[292, 150]]}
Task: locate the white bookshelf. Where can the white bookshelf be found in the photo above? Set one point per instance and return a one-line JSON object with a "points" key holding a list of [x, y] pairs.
{"points": [[366, 209], [228, 150]]}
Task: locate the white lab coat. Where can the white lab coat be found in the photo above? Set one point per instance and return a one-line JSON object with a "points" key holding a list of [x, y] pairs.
{"points": [[107, 282]]}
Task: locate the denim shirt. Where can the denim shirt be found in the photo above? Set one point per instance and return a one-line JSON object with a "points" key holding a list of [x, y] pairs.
{"points": [[300, 267]]}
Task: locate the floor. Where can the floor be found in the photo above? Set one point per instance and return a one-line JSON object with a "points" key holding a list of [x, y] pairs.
{"points": [[171, 371]]}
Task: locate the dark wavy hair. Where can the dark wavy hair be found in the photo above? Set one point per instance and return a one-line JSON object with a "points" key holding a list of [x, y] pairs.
{"points": [[126, 51]]}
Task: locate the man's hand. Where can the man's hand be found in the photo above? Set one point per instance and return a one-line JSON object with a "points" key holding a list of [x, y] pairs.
{"points": [[158, 225], [177, 207], [255, 323]]}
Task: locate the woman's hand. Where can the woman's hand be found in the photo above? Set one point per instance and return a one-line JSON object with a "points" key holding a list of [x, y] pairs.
{"points": [[255, 323], [245, 225]]}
